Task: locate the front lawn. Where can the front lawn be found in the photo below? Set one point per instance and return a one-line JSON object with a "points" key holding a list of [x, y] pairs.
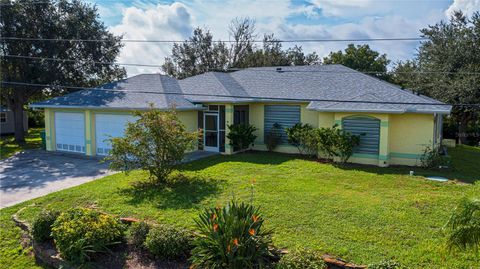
{"points": [[361, 214], [8, 146]]}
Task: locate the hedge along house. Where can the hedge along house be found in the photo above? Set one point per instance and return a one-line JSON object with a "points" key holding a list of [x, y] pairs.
{"points": [[394, 125]]}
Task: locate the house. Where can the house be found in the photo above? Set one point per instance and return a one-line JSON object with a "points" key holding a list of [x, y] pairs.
{"points": [[7, 124], [394, 124]]}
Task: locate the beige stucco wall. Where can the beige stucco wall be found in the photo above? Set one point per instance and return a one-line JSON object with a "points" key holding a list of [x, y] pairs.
{"points": [[188, 118], [403, 137]]}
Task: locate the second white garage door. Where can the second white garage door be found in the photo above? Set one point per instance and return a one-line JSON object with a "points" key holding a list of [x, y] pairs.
{"points": [[108, 126], [70, 131]]}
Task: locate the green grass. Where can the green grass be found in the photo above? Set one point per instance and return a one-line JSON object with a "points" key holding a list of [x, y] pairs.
{"points": [[361, 214], [8, 147]]}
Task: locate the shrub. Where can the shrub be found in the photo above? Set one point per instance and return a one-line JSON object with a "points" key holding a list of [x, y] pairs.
{"points": [[463, 227], [432, 158], [306, 259], [42, 225], [303, 137], [156, 142], [274, 136], [167, 242], [137, 233], [334, 142], [231, 237], [387, 264], [241, 135], [81, 232]]}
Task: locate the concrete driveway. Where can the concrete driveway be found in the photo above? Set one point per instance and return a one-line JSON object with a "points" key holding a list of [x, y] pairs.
{"points": [[35, 173]]}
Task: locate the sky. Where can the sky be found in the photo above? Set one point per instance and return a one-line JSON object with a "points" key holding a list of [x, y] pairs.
{"points": [[286, 19]]}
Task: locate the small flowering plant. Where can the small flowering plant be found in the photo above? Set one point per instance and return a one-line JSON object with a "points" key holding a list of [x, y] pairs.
{"points": [[231, 237]]}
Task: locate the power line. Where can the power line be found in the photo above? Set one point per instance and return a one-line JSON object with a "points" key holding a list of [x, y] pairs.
{"points": [[77, 61], [233, 96], [220, 41], [239, 69]]}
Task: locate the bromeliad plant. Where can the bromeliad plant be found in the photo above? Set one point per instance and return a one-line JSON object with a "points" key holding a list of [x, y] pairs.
{"points": [[231, 237], [241, 135]]}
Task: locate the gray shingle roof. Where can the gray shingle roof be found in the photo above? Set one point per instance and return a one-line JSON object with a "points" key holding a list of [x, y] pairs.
{"points": [[320, 86], [132, 93]]}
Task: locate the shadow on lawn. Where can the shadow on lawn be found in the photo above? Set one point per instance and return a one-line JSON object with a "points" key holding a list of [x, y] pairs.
{"points": [[254, 157], [184, 192]]}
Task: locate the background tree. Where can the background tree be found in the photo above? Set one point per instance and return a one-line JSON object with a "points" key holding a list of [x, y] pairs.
{"points": [[60, 19], [360, 58], [242, 31], [447, 67], [198, 55]]}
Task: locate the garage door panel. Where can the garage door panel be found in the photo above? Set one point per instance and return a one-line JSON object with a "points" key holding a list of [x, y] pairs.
{"points": [[108, 126], [70, 131]]}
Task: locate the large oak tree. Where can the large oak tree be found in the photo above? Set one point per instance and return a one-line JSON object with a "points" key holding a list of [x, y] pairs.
{"points": [[49, 19], [448, 67]]}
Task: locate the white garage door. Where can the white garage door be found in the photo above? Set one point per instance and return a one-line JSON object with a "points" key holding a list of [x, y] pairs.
{"points": [[70, 131], [108, 126]]}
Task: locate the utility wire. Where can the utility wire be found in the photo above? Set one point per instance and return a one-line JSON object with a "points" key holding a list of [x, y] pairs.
{"points": [[218, 41], [232, 96], [255, 69]]}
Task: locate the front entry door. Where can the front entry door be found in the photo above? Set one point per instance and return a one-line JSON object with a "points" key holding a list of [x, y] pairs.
{"points": [[210, 129]]}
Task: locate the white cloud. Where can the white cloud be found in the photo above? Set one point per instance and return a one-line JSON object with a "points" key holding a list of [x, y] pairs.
{"points": [[466, 6], [351, 19], [161, 22]]}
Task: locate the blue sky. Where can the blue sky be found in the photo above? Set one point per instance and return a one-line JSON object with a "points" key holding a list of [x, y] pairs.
{"points": [[294, 19]]}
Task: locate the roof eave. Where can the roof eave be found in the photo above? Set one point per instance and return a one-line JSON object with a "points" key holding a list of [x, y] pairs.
{"points": [[114, 108]]}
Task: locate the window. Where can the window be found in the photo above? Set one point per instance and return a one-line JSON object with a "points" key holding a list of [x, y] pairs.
{"points": [[240, 114], [3, 117], [368, 129], [285, 115]]}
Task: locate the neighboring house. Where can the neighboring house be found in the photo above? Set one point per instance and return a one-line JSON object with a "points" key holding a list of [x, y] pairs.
{"points": [[7, 124], [390, 134]]}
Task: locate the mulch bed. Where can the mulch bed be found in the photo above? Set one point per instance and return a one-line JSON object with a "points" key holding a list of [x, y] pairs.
{"points": [[125, 256]]}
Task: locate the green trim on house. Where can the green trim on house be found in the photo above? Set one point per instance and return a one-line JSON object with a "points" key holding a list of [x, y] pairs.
{"points": [[383, 157], [228, 109], [405, 155], [338, 122], [88, 141], [365, 155], [384, 123]]}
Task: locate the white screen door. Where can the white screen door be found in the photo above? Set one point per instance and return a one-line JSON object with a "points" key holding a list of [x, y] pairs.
{"points": [[210, 129]]}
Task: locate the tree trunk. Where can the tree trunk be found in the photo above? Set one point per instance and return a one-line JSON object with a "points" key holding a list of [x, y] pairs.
{"points": [[462, 130], [16, 103], [18, 116]]}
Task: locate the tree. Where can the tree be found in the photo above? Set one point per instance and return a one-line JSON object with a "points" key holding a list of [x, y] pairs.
{"points": [[156, 142], [452, 48], [198, 55], [52, 20], [360, 58], [242, 30]]}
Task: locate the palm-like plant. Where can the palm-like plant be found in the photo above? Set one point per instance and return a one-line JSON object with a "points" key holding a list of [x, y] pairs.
{"points": [[231, 237], [463, 227]]}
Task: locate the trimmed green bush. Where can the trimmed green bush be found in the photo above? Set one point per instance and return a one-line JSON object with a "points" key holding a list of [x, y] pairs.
{"points": [[274, 137], [42, 225], [241, 136], [167, 242], [231, 237], [80, 232], [305, 259], [137, 233]]}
